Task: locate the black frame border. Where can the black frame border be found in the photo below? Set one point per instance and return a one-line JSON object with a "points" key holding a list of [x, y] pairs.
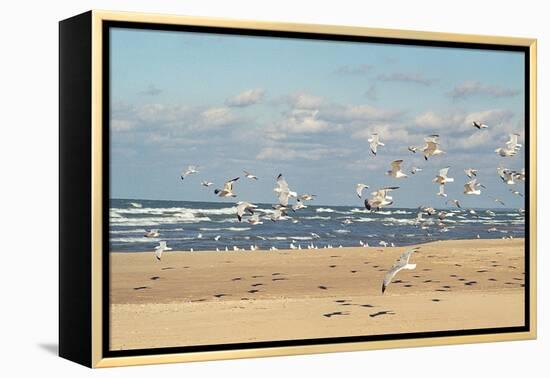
{"points": [[107, 25]]}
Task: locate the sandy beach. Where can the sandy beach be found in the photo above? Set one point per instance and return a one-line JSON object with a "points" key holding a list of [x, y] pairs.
{"points": [[196, 298]]}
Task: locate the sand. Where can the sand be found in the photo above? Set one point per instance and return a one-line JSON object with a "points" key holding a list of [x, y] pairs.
{"points": [[198, 298]]}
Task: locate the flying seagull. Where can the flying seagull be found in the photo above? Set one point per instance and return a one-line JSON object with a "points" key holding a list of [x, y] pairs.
{"points": [[497, 200], [283, 191], [161, 248], [402, 263], [380, 198], [359, 189], [307, 197], [255, 219], [206, 183], [244, 206], [396, 169], [250, 175], [454, 202], [136, 205], [192, 169], [432, 147], [512, 143], [478, 125], [470, 172], [415, 170], [299, 205], [517, 193], [442, 177], [227, 190], [374, 142], [471, 188], [506, 175], [441, 192]]}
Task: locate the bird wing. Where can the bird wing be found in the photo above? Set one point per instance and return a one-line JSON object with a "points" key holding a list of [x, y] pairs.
{"points": [[396, 165], [359, 189], [283, 185], [443, 172], [228, 186]]}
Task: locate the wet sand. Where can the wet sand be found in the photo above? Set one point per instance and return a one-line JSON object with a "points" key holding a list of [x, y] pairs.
{"points": [[196, 298]]}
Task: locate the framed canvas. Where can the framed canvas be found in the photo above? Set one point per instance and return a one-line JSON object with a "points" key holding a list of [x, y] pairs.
{"points": [[236, 189]]}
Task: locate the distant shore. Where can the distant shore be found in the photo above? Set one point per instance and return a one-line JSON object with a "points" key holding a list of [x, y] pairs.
{"points": [[197, 298]]}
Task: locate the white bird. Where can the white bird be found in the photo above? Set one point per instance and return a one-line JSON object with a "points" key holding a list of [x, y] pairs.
{"points": [[413, 149], [244, 206], [402, 263], [206, 183], [383, 243], [278, 215], [454, 202], [307, 197], [250, 175], [479, 125], [441, 192], [396, 169], [159, 249], [359, 189], [490, 213], [442, 178], [192, 169], [292, 246], [415, 170], [432, 147], [470, 172], [255, 219], [380, 198], [505, 152], [227, 190], [217, 237], [199, 236], [136, 205], [298, 205], [517, 193], [497, 200], [347, 221], [152, 234], [283, 191], [374, 142], [512, 143], [506, 175], [471, 188]]}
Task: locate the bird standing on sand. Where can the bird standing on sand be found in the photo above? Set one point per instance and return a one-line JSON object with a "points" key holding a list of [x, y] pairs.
{"points": [[402, 263], [227, 190], [396, 170], [374, 142], [159, 249]]}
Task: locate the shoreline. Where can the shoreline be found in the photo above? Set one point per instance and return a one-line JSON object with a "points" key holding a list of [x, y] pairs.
{"points": [[197, 298]]}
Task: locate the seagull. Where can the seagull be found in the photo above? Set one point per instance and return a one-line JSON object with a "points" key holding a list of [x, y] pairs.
{"points": [[442, 177], [396, 169], [470, 172], [136, 205], [244, 206], [307, 197], [278, 215], [255, 219], [374, 142], [470, 188], [517, 193], [428, 210], [402, 263], [505, 152], [250, 175], [383, 243], [413, 149], [512, 143], [380, 198], [506, 175], [292, 246], [227, 190], [359, 189], [152, 234], [299, 205], [414, 170], [497, 200], [206, 183], [490, 213], [217, 237], [479, 125], [283, 191], [454, 202], [441, 192], [161, 248], [192, 169], [432, 147], [520, 175]]}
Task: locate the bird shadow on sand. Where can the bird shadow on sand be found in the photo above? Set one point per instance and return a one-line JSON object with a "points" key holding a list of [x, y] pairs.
{"points": [[336, 313], [380, 313]]}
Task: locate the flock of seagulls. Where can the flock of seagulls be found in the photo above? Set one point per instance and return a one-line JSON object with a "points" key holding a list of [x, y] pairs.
{"points": [[378, 199]]}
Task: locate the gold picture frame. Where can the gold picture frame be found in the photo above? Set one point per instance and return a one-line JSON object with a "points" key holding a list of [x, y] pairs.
{"points": [[83, 276]]}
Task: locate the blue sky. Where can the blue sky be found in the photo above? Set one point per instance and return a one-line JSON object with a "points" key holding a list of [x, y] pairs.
{"points": [[306, 109]]}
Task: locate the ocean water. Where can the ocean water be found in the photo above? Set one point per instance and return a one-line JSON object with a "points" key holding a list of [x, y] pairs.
{"points": [[185, 225]]}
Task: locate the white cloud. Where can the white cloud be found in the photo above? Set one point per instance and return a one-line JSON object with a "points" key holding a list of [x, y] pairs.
{"points": [[246, 98], [472, 88], [284, 153], [305, 101], [407, 77]]}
